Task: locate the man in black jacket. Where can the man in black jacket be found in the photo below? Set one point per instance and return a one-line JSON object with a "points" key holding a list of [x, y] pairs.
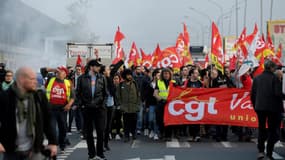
{"points": [[267, 100], [24, 119], [92, 92]]}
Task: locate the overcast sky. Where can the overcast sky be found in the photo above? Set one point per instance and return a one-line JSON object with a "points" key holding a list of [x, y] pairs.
{"points": [[148, 22]]}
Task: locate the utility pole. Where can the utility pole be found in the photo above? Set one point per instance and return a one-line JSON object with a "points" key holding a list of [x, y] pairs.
{"points": [[261, 16], [244, 19], [271, 9], [236, 18]]}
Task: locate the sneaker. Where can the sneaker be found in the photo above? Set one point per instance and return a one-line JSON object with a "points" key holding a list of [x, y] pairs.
{"points": [[260, 155], [146, 132], [197, 139], [69, 133], [151, 135], [138, 132], [117, 137], [100, 157], [92, 158], [155, 137]]}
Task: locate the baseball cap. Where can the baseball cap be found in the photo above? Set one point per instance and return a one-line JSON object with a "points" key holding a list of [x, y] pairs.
{"points": [[63, 68]]}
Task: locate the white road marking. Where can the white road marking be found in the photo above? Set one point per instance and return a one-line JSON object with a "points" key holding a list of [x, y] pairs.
{"points": [[81, 144], [173, 144], [185, 145], [227, 144], [136, 143], [169, 157], [134, 159]]}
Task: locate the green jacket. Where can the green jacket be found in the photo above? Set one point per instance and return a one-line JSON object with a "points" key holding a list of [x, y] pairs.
{"points": [[128, 96]]}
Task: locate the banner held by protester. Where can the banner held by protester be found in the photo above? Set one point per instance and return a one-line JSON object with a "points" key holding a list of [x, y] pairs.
{"points": [[219, 106]]}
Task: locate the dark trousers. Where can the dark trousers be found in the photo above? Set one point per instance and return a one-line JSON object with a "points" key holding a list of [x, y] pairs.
{"points": [[97, 117], [58, 118], [273, 132], [194, 130], [221, 132], [159, 117], [108, 129], [130, 124], [117, 121], [77, 115]]}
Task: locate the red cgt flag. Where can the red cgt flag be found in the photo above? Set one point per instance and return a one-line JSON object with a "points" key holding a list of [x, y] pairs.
{"points": [[146, 59], [260, 68], [118, 37], [279, 51], [241, 43], [233, 62], [156, 56], [119, 50], [269, 41], [134, 57], [217, 55]]}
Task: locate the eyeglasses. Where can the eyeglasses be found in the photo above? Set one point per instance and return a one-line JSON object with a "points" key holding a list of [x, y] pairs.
{"points": [[9, 75]]}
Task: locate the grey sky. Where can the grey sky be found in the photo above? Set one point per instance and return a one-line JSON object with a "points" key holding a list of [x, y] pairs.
{"points": [[148, 22]]}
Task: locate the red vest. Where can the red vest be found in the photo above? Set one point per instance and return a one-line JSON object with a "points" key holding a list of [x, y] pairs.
{"points": [[58, 94]]}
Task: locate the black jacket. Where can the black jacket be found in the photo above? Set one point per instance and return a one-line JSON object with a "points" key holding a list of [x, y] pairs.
{"points": [[8, 129], [150, 100], [84, 92], [266, 93]]}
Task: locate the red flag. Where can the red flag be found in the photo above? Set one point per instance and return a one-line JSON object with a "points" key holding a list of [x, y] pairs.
{"points": [[186, 35], [279, 51], [260, 68], [119, 50], [120, 55], [217, 55], [156, 56], [233, 62], [206, 60], [134, 57], [241, 38], [269, 41], [169, 58], [118, 37], [186, 55], [250, 38], [276, 58], [79, 60], [146, 59]]}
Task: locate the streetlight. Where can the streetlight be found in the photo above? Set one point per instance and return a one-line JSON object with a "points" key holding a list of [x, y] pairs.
{"points": [[222, 12], [205, 15], [201, 27], [201, 13]]}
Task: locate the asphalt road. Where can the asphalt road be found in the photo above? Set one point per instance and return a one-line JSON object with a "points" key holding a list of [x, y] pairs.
{"points": [[144, 148]]}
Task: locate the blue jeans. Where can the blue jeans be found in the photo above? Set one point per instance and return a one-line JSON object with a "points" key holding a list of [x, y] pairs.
{"points": [[152, 119], [140, 118]]}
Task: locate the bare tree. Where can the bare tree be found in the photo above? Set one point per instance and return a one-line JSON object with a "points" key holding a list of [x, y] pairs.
{"points": [[79, 22]]}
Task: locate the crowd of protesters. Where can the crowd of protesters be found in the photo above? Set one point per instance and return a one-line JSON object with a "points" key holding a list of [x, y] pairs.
{"points": [[121, 103]]}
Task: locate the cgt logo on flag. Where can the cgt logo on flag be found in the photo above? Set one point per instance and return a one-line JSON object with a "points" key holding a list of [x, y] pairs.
{"points": [[218, 106]]}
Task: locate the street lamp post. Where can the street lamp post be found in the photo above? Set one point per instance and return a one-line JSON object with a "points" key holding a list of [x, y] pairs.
{"points": [[201, 27], [222, 12], [205, 15]]}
